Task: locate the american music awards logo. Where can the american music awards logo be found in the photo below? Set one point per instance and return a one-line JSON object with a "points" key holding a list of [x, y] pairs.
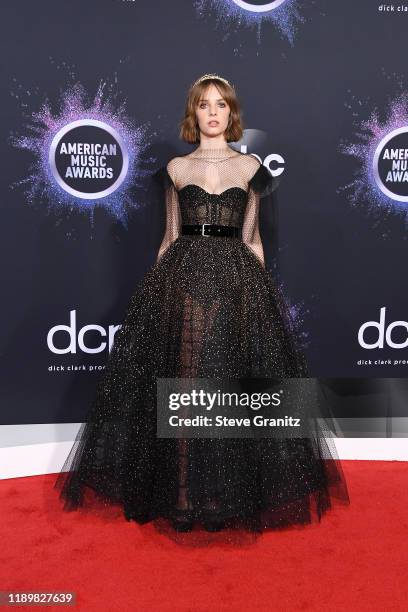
{"points": [[390, 164], [260, 7], [89, 159], [381, 148], [234, 14], [86, 155]]}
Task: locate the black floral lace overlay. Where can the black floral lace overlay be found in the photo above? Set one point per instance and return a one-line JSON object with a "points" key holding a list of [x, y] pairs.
{"points": [[207, 308]]}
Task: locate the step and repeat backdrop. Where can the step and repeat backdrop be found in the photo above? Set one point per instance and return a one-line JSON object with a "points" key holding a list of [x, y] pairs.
{"points": [[92, 95]]}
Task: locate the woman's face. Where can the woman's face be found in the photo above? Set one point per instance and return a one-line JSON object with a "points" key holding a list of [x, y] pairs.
{"points": [[212, 112]]}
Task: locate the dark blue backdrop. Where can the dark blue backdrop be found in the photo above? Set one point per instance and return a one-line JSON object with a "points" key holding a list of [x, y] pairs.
{"points": [[306, 84]]}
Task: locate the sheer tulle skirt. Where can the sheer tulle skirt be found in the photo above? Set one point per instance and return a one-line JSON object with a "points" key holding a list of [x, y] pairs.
{"points": [[206, 309]]}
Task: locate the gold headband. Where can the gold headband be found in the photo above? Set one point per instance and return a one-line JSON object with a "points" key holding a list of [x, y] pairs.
{"points": [[211, 76]]}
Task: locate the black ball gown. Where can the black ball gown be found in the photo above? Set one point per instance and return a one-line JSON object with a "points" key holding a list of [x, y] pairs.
{"points": [[207, 308]]}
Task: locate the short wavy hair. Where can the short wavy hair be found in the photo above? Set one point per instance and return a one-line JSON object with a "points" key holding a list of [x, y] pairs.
{"points": [[189, 130]]}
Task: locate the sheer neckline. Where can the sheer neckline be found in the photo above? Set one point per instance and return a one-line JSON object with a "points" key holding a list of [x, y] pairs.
{"points": [[214, 153]]}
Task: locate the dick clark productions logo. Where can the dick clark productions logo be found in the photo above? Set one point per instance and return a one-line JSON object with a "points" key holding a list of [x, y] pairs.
{"points": [[88, 159], [390, 164]]}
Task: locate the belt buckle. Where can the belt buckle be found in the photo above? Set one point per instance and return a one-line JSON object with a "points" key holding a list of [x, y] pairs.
{"points": [[202, 229]]}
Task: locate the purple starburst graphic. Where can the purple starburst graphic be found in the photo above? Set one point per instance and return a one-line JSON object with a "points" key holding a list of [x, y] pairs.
{"points": [[297, 314], [371, 134], [283, 14], [293, 313], [43, 126]]}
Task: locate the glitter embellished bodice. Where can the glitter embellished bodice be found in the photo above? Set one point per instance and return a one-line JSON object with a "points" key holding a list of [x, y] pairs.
{"points": [[218, 186], [212, 185], [199, 206]]}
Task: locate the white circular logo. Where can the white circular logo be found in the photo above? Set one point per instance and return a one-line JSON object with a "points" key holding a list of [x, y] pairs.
{"points": [[390, 164], [88, 159], [259, 8]]}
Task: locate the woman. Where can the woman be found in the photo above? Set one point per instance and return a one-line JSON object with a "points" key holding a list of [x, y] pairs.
{"points": [[207, 308]]}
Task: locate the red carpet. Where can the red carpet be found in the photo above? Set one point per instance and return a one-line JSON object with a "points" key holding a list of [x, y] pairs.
{"points": [[355, 559]]}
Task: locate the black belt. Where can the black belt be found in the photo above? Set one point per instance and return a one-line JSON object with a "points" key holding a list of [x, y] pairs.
{"points": [[210, 229]]}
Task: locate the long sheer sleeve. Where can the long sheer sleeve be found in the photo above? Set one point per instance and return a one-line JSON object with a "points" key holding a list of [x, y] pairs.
{"points": [[259, 186], [166, 177]]}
